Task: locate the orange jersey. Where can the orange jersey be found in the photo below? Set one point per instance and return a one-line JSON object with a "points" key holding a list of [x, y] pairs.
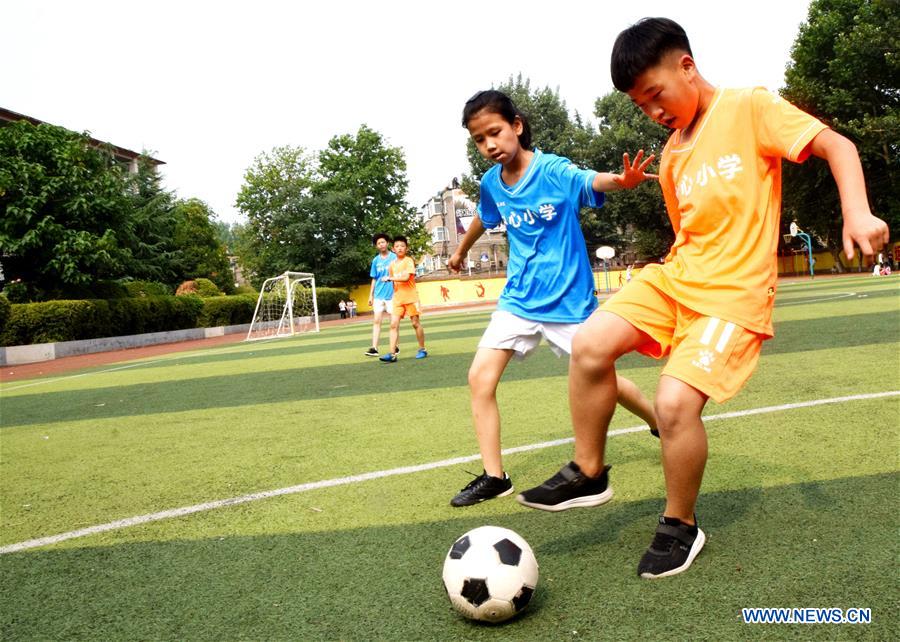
{"points": [[723, 195], [404, 291]]}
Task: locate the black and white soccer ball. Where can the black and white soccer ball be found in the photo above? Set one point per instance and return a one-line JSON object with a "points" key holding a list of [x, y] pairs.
{"points": [[490, 574]]}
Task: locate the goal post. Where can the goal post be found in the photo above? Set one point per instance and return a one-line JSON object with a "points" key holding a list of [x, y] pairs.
{"points": [[286, 306]]}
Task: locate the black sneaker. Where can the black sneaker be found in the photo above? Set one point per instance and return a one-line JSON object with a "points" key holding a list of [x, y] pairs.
{"points": [[481, 488], [569, 488], [371, 352], [397, 350], [654, 432], [674, 547]]}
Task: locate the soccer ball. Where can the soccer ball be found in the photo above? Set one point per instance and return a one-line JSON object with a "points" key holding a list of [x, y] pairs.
{"points": [[490, 574]]}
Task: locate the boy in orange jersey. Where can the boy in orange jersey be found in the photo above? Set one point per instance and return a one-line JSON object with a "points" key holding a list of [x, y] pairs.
{"points": [[406, 299], [709, 305]]}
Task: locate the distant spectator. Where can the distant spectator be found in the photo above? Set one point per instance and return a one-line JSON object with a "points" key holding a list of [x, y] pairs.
{"points": [[343, 308]]}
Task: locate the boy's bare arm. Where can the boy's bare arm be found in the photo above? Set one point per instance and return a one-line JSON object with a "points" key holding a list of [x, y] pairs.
{"points": [[632, 176], [869, 232], [476, 229], [400, 276], [372, 292]]}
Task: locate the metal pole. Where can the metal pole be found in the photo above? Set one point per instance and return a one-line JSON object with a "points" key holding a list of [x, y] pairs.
{"points": [[806, 238], [606, 272]]}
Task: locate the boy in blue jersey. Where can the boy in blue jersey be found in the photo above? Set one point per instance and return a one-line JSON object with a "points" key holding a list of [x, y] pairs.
{"points": [[550, 285], [381, 292]]}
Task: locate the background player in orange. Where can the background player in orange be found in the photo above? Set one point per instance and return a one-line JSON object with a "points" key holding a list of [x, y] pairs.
{"points": [[709, 305], [406, 299]]}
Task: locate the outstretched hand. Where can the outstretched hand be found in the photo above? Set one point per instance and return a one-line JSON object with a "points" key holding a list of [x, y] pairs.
{"points": [[634, 173]]}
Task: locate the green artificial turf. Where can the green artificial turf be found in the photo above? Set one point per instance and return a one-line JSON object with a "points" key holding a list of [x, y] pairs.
{"points": [[799, 505]]}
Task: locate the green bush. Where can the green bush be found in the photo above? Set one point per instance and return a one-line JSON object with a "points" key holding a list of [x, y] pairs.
{"points": [[147, 288], [96, 290], [54, 321], [246, 289], [207, 288], [16, 292], [327, 299], [104, 290], [5, 306], [227, 310], [70, 320]]}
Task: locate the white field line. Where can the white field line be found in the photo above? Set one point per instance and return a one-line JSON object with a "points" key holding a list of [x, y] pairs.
{"points": [[404, 470]]}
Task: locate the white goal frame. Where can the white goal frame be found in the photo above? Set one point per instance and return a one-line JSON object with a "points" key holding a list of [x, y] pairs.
{"points": [[273, 324]]}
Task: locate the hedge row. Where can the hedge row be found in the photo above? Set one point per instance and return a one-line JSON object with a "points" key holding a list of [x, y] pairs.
{"points": [[55, 321]]}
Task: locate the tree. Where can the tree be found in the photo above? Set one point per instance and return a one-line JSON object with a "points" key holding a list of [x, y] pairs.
{"points": [[372, 176], [845, 70], [274, 183], [64, 207], [318, 213], [196, 241], [552, 129], [226, 234], [148, 230], [638, 216]]}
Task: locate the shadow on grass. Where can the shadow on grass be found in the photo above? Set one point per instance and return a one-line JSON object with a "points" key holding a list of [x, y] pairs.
{"points": [[300, 347], [373, 377], [767, 547]]}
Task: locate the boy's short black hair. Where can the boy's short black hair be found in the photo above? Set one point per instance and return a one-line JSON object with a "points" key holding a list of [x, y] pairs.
{"points": [[381, 235], [401, 238], [642, 46]]}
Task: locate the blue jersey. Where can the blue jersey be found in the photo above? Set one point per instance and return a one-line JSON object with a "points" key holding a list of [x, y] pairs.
{"points": [[383, 289], [549, 275]]}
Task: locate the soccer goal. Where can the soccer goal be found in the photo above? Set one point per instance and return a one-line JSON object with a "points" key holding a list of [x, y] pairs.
{"points": [[286, 306]]}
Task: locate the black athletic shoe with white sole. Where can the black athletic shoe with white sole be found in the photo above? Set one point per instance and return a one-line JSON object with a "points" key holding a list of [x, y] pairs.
{"points": [[673, 549], [569, 488], [371, 352], [481, 488]]}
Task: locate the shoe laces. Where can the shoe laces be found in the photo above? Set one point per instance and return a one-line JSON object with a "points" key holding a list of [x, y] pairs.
{"points": [[478, 481]]}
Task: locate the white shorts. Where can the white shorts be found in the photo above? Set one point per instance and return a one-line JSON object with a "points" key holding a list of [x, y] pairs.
{"points": [[383, 305], [508, 331]]}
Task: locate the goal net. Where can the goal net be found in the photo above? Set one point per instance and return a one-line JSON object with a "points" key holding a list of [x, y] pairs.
{"points": [[286, 306]]}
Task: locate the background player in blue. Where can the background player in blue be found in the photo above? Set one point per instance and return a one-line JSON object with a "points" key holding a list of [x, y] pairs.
{"points": [[550, 285], [380, 291]]}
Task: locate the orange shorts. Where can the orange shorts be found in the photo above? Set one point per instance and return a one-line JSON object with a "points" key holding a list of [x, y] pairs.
{"points": [[402, 309], [712, 355]]}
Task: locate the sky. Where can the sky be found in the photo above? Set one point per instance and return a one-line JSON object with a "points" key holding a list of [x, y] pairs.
{"points": [[208, 86]]}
